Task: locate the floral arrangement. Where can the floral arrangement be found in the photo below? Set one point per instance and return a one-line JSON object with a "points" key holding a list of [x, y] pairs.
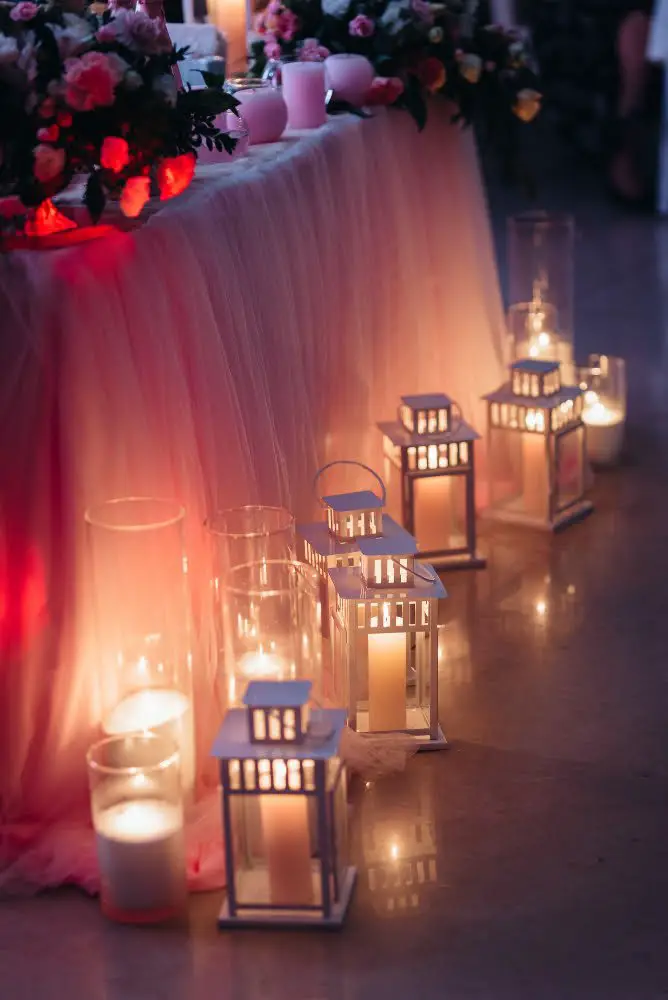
{"points": [[417, 48], [96, 96]]}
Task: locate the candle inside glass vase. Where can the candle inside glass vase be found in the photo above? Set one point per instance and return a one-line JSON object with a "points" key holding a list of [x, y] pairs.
{"points": [[604, 411]]}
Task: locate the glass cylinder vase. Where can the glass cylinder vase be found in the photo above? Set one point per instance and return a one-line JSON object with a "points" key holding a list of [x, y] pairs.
{"points": [[143, 621], [541, 249], [137, 811], [274, 614], [604, 413]]}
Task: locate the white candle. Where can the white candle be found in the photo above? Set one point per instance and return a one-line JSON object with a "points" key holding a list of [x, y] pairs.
{"points": [[263, 667], [387, 681], [535, 480], [141, 853], [350, 77], [164, 711], [605, 430], [433, 513], [304, 94], [232, 18], [287, 844]]}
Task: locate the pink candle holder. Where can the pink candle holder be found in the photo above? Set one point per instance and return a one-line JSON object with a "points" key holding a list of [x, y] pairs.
{"points": [[350, 77], [304, 94]]}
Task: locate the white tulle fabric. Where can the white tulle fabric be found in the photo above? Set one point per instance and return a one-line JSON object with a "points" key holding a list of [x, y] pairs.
{"points": [[247, 333]]}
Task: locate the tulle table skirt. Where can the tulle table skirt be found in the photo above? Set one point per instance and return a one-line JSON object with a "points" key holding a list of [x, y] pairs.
{"points": [[245, 334]]}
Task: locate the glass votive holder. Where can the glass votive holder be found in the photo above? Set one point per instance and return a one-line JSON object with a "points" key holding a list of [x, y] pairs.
{"points": [[604, 413], [137, 810], [248, 534], [274, 620]]}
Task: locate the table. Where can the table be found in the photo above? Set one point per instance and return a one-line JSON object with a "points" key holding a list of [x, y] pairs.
{"points": [[248, 332]]}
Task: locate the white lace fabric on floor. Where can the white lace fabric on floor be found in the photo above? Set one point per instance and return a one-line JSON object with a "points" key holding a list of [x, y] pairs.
{"points": [[250, 331]]}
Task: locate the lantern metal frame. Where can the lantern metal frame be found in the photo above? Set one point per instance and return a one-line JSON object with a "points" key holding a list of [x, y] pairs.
{"points": [[427, 442], [311, 768], [363, 610], [535, 402]]}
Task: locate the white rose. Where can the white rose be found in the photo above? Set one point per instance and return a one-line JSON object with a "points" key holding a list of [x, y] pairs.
{"points": [[166, 87], [76, 36], [49, 162], [436, 35], [132, 80], [335, 8], [9, 50]]}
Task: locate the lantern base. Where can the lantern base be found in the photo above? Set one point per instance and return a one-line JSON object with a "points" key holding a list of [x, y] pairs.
{"points": [[415, 728], [513, 515], [292, 919], [453, 560]]}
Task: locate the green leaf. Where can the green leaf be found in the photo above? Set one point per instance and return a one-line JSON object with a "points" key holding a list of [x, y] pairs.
{"points": [[206, 102], [94, 196], [413, 101], [215, 80]]}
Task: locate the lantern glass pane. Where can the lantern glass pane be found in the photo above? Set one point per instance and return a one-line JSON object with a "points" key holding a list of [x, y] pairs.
{"points": [[275, 850], [570, 467], [338, 821], [519, 472], [439, 504]]}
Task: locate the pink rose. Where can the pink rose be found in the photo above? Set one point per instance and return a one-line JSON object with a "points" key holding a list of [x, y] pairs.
{"points": [[49, 163], [136, 192], [361, 26], [49, 134], [106, 35], [385, 90], [312, 51], [140, 32], [47, 108], [114, 154], [90, 80], [272, 50], [64, 119], [280, 21], [423, 10], [24, 11]]}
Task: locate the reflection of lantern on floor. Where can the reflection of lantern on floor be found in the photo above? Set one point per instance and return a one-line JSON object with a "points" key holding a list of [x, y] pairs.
{"points": [[388, 608], [537, 443], [284, 810], [430, 452]]}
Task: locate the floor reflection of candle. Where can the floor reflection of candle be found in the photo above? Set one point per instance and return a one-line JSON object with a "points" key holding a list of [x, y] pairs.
{"points": [[433, 513], [140, 847], [163, 711], [387, 682], [535, 488], [287, 845], [605, 430]]}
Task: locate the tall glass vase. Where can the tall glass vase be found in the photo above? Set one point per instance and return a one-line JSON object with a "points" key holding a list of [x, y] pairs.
{"points": [[274, 615], [541, 249], [143, 621]]}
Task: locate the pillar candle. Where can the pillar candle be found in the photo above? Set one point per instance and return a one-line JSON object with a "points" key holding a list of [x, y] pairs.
{"points": [[350, 77], [304, 94], [432, 499], [605, 432], [535, 481], [232, 18], [387, 681], [141, 854], [164, 711], [287, 845]]}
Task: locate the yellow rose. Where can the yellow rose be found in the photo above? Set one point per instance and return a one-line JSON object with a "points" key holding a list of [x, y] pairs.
{"points": [[470, 67], [527, 104]]}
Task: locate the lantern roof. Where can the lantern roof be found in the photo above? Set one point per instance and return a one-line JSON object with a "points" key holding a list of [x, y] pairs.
{"points": [[394, 541], [342, 503], [277, 694], [321, 740], [398, 435], [535, 366], [322, 541], [427, 401], [505, 394], [349, 584]]}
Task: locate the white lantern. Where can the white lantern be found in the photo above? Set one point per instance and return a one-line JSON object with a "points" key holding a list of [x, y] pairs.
{"points": [[429, 462], [537, 448], [284, 810]]}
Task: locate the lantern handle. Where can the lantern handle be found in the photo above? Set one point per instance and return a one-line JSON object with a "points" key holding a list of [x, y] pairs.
{"points": [[348, 461], [427, 579]]}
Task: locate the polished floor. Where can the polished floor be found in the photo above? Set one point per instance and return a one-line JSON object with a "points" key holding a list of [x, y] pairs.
{"points": [[530, 862]]}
